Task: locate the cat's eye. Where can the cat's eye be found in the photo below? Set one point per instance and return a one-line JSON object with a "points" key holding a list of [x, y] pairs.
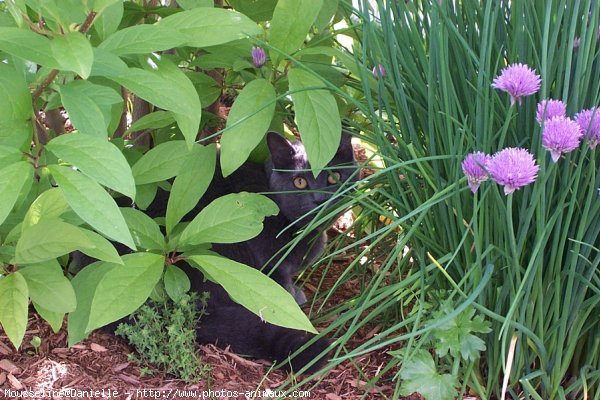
{"points": [[334, 178], [300, 182]]}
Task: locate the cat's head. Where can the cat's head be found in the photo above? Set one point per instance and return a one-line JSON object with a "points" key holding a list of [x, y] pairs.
{"points": [[297, 190]]}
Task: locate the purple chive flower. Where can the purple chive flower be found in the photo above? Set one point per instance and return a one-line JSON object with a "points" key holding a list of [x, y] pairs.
{"points": [[518, 80], [473, 167], [378, 71], [561, 135], [590, 127], [576, 43], [259, 57], [513, 168], [551, 108]]}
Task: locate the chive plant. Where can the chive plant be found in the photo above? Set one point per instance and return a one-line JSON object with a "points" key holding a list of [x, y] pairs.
{"points": [[477, 240]]}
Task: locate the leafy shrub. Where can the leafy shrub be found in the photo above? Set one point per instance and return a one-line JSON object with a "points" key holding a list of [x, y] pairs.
{"points": [[164, 334]]}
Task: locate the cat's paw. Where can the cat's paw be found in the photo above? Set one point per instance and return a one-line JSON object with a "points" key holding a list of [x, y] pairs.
{"points": [[316, 351], [298, 295]]}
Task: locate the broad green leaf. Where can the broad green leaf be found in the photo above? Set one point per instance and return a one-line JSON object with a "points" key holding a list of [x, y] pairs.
{"points": [[102, 249], [59, 14], [189, 4], [125, 288], [15, 108], [347, 60], [17, 9], [9, 155], [255, 291], [108, 18], [48, 285], [177, 282], [85, 284], [145, 231], [258, 10], [191, 183], [317, 117], [457, 335], [291, 22], [326, 13], [14, 301], [92, 203], [161, 162], [89, 106], [207, 88], [12, 180], [74, 53], [97, 158], [229, 219], [170, 89], [247, 123], [49, 238], [203, 27], [54, 319], [142, 39], [101, 5], [28, 45], [107, 64], [154, 120], [419, 375], [49, 204]]}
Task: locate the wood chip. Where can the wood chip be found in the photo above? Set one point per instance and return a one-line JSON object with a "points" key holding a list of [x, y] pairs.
{"points": [[14, 382], [129, 379], [219, 375], [97, 348], [2, 378], [9, 367], [4, 349], [121, 367], [79, 346], [331, 396], [60, 350]]}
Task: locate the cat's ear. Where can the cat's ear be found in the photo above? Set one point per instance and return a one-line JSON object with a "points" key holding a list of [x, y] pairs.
{"points": [[282, 150], [345, 151]]}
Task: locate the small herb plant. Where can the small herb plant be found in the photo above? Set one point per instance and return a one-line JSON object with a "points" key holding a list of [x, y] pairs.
{"points": [[164, 334]]}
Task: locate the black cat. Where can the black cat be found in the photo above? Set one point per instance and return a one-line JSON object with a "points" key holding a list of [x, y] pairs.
{"points": [[287, 179]]}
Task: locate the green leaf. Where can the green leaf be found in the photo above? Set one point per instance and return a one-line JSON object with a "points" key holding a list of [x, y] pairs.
{"points": [[170, 89], [108, 18], [161, 162], [154, 120], [258, 10], [85, 284], [28, 45], [14, 301], [125, 288], [317, 117], [189, 4], [247, 123], [97, 158], [347, 60], [202, 27], [291, 22], [326, 13], [92, 203], [49, 204], [229, 219], [419, 375], [9, 155], [145, 231], [457, 335], [12, 180], [191, 183], [255, 291], [142, 39], [15, 108], [177, 282], [48, 286], [107, 64], [101, 248], [49, 238], [55, 319], [89, 106], [207, 88], [101, 5], [74, 53]]}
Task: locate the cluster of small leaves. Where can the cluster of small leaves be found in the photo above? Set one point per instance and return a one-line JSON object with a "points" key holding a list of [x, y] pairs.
{"points": [[454, 342], [164, 334]]}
